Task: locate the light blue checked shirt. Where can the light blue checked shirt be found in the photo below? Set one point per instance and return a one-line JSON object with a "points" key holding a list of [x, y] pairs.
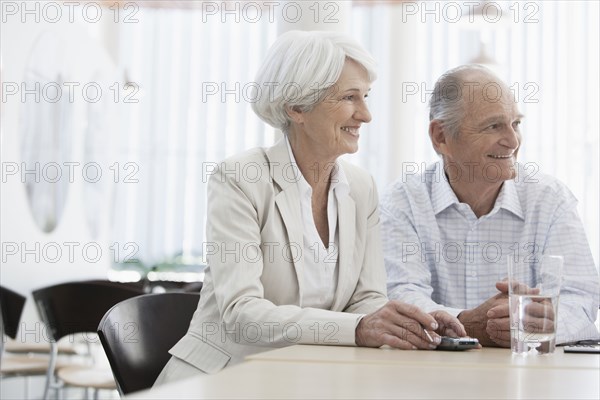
{"points": [[440, 256]]}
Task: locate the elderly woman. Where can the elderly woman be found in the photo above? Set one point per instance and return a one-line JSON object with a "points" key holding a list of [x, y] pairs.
{"points": [[293, 248]]}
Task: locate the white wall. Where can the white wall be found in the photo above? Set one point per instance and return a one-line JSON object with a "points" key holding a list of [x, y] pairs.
{"points": [[22, 272], [26, 272]]}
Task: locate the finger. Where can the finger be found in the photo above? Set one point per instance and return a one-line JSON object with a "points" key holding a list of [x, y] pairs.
{"points": [[414, 334], [521, 288], [540, 310], [417, 335], [413, 312], [397, 343], [497, 331], [495, 326], [501, 342], [396, 318], [537, 325], [499, 311], [502, 286], [502, 323], [451, 333], [448, 323]]}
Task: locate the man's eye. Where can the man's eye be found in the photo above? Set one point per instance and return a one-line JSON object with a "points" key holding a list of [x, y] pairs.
{"points": [[516, 124], [493, 127], [349, 97]]}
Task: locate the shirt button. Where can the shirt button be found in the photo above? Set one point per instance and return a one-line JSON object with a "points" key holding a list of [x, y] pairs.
{"points": [[473, 274]]}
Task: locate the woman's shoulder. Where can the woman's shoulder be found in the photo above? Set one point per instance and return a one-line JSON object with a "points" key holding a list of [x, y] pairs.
{"points": [[254, 155], [356, 175]]}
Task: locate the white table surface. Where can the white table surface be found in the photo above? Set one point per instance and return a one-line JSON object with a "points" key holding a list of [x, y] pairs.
{"points": [[350, 372]]}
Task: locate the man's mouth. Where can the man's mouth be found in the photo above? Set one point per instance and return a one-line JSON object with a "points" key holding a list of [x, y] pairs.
{"points": [[500, 156], [353, 130]]}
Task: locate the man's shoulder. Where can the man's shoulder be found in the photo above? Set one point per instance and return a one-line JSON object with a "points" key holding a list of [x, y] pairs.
{"points": [[413, 187], [533, 186]]}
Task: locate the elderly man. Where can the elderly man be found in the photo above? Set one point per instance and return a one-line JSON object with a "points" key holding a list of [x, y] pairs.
{"points": [[447, 232]]}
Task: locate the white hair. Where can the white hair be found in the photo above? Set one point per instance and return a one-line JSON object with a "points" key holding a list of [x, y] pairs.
{"points": [[299, 69], [447, 103]]}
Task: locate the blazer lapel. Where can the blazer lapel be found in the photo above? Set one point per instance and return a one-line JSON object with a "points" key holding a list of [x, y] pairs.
{"points": [[347, 232], [288, 204]]}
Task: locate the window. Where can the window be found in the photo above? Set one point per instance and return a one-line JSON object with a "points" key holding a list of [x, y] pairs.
{"points": [[548, 51], [192, 112]]}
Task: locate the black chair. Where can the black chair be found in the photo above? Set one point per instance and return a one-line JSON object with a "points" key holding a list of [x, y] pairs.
{"points": [[19, 365], [78, 307], [11, 308], [137, 334]]}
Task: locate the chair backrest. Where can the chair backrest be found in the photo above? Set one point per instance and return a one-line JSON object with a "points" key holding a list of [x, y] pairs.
{"points": [[75, 307], [137, 334], [11, 308]]}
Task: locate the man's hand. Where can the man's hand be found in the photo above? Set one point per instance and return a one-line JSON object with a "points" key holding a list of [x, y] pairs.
{"points": [[538, 315], [398, 325], [490, 321]]}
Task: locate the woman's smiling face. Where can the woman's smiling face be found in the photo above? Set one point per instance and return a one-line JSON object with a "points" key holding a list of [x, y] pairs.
{"points": [[332, 127]]}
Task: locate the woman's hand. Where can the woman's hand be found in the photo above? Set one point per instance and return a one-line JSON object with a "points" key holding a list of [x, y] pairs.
{"points": [[448, 325], [398, 325]]}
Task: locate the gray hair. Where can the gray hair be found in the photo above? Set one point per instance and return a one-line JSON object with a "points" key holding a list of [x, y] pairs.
{"points": [[299, 69], [447, 103]]}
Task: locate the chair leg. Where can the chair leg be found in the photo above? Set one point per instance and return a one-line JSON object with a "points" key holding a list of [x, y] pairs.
{"points": [[51, 368], [47, 385], [26, 391]]}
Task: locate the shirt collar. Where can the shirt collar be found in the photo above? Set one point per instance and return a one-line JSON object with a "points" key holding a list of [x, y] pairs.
{"points": [[508, 199], [443, 196], [339, 181]]}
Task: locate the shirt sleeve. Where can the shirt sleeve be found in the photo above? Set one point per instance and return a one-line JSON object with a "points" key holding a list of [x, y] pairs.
{"points": [[409, 277], [580, 292]]}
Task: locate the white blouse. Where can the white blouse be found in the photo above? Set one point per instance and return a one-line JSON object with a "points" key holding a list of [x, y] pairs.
{"points": [[320, 262]]}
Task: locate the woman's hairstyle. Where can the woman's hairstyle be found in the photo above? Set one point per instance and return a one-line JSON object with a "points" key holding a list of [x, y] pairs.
{"points": [[299, 69]]}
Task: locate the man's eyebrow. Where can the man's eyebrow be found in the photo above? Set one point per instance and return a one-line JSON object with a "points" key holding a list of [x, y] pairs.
{"points": [[499, 118], [494, 118]]}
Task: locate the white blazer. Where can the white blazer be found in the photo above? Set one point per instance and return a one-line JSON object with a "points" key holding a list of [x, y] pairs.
{"points": [[252, 295]]}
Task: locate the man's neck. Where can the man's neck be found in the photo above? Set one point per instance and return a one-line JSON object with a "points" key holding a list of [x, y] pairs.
{"points": [[480, 197]]}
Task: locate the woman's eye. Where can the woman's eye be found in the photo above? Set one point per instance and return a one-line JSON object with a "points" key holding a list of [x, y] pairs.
{"points": [[349, 97]]}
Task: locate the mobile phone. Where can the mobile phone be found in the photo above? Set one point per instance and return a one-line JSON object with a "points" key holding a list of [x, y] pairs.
{"points": [[463, 343]]}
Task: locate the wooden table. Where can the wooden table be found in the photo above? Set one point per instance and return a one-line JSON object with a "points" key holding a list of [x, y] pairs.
{"points": [[350, 372]]}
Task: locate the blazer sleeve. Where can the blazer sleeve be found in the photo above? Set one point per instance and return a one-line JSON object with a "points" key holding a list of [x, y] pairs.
{"points": [[233, 228]]}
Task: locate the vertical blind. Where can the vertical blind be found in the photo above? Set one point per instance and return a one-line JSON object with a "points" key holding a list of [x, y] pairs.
{"points": [[192, 110], [190, 115]]}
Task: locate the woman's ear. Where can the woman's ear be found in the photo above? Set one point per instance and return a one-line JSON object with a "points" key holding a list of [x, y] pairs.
{"points": [[437, 136], [294, 113]]}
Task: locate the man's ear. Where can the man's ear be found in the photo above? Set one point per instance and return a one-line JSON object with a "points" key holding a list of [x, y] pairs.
{"points": [[437, 136], [294, 113]]}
